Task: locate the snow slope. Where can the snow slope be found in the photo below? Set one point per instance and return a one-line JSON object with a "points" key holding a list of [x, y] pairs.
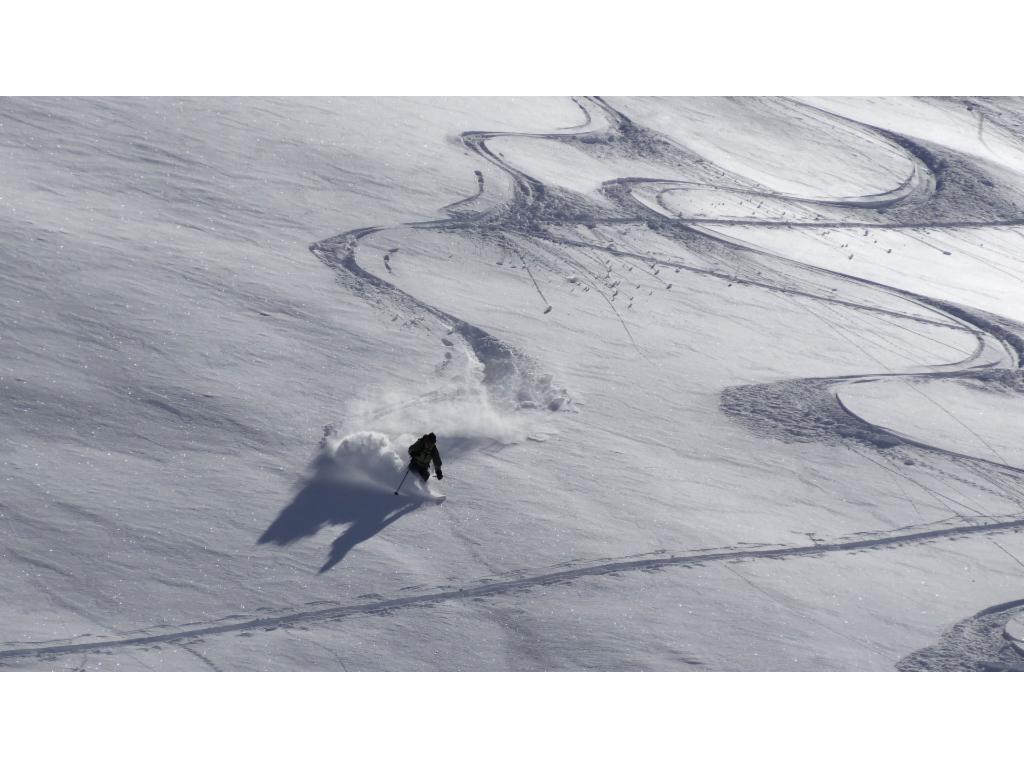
{"points": [[720, 384]]}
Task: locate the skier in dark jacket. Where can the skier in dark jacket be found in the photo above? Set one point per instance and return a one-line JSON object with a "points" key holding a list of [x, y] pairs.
{"points": [[423, 451]]}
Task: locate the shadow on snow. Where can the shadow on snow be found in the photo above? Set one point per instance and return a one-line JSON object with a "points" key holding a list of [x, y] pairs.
{"points": [[329, 498]]}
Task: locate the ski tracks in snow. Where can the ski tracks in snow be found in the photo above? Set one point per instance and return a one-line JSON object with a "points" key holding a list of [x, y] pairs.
{"points": [[976, 644], [944, 190], [269, 620], [932, 196]]}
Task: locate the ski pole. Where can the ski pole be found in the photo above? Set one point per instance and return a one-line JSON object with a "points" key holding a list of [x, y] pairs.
{"points": [[403, 480]]}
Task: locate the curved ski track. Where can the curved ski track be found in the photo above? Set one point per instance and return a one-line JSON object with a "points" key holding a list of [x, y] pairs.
{"points": [[528, 214], [976, 644]]}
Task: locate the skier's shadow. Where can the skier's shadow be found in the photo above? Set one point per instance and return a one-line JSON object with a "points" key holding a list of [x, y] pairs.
{"points": [[329, 499]]}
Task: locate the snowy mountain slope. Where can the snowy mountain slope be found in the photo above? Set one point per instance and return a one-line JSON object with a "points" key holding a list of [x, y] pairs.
{"points": [[719, 384]]}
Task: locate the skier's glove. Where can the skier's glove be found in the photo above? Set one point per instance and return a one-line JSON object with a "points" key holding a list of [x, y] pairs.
{"points": [[440, 475]]}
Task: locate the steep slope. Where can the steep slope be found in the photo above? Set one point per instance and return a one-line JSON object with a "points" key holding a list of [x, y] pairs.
{"points": [[713, 380]]}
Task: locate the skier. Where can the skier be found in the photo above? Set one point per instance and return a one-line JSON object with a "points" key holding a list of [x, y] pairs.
{"points": [[423, 451]]}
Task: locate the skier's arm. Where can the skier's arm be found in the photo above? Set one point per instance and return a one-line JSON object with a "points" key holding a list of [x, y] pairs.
{"points": [[436, 457]]}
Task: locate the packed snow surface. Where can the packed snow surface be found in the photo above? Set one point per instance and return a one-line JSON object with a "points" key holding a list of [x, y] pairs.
{"points": [[718, 383]]}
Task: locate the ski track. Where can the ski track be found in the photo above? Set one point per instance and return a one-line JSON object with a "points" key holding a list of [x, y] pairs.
{"points": [[492, 587], [976, 644], [927, 198]]}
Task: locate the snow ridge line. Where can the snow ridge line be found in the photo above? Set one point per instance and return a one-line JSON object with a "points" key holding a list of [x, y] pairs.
{"points": [[504, 587]]}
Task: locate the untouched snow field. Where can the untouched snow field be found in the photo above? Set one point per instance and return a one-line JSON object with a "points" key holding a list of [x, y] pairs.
{"points": [[719, 384]]}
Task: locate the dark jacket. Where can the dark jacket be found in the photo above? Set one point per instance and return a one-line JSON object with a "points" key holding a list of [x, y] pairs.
{"points": [[423, 453]]}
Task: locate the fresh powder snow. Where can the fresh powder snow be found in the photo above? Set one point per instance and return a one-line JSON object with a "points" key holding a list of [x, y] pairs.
{"points": [[718, 383]]}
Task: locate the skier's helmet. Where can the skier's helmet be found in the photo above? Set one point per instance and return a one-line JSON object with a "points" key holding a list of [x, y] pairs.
{"points": [[432, 437]]}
